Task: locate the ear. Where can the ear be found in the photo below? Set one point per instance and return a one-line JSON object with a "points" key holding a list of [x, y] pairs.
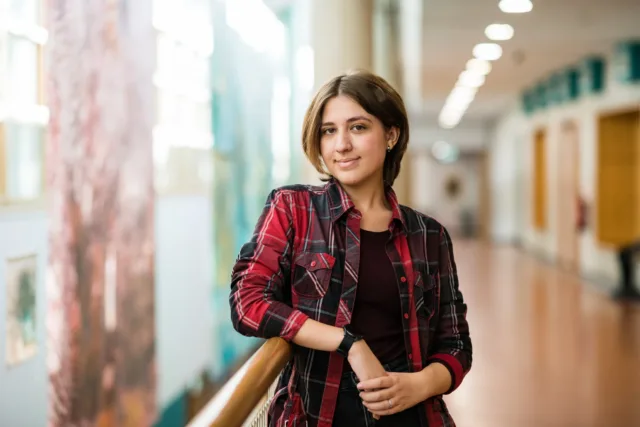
{"points": [[392, 136]]}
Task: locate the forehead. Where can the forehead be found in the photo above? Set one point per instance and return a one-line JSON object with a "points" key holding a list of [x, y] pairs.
{"points": [[342, 108]]}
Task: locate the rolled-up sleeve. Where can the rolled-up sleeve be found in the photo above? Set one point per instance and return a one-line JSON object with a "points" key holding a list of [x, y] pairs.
{"points": [[453, 343], [261, 273]]}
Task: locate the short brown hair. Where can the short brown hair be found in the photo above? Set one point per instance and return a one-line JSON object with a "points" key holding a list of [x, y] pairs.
{"points": [[377, 97]]}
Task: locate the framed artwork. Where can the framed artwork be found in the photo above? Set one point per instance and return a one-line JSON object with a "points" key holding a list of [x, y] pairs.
{"points": [[21, 340]]}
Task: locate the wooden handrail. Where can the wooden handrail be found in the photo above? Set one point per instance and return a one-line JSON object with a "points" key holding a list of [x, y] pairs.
{"points": [[233, 404]]}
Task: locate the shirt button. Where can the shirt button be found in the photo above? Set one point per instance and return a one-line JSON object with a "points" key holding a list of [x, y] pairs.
{"points": [[406, 315], [313, 263], [410, 356], [403, 279]]}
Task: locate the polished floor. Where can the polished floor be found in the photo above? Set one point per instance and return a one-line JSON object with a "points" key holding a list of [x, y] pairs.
{"points": [[549, 350]]}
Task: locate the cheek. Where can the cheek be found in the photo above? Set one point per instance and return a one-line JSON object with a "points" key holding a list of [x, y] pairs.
{"points": [[375, 149], [326, 150]]}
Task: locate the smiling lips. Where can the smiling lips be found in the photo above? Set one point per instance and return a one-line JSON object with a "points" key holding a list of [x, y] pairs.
{"points": [[347, 163]]}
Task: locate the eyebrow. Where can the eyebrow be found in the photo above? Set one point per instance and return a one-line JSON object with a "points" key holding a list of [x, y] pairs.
{"points": [[351, 120]]}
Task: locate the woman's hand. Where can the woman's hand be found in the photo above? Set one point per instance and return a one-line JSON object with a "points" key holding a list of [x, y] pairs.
{"points": [[394, 392], [364, 363]]}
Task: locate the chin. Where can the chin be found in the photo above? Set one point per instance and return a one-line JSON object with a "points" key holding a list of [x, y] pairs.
{"points": [[350, 178]]}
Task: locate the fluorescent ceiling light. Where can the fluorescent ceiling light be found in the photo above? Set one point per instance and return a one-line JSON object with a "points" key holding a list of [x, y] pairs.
{"points": [[479, 66], [470, 79], [515, 6], [487, 51], [499, 32]]}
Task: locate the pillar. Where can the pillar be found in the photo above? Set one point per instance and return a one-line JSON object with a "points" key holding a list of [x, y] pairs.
{"points": [[342, 37]]}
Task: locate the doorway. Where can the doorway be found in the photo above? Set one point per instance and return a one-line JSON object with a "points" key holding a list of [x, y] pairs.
{"points": [[539, 204], [618, 178]]}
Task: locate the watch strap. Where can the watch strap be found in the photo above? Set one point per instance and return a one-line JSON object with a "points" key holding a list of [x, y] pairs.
{"points": [[347, 341]]}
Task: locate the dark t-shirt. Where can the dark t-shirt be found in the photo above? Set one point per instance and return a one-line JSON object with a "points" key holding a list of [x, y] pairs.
{"points": [[377, 313]]}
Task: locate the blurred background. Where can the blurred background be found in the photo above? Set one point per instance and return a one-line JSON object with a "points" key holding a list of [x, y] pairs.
{"points": [[139, 140]]}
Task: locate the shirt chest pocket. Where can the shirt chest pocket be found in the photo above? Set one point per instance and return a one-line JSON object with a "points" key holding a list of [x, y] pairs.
{"points": [[426, 295], [312, 274]]}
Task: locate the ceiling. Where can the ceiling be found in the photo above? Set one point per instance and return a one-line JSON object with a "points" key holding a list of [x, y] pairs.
{"points": [[555, 34]]}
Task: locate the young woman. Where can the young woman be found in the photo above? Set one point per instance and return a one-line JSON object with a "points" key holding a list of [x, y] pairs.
{"points": [[365, 289]]}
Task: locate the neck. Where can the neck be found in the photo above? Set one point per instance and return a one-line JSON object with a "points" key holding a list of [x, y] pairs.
{"points": [[368, 197]]}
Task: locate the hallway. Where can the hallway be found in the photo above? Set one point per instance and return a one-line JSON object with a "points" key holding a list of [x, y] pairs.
{"points": [[549, 351]]}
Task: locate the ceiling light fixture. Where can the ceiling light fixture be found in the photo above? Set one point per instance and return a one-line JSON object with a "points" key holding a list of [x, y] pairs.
{"points": [[499, 32], [515, 6], [479, 66], [470, 79], [487, 51]]}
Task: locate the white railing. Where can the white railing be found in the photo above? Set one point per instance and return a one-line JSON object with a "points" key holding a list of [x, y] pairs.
{"points": [[259, 416]]}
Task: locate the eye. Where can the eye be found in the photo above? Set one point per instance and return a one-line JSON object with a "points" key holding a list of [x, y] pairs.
{"points": [[358, 127], [327, 131]]}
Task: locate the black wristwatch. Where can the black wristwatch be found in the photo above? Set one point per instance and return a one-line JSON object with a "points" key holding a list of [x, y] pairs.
{"points": [[347, 342]]}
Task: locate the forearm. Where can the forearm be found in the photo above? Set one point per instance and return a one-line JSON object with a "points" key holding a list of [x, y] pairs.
{"points": [[437, 379], [319, 336]]}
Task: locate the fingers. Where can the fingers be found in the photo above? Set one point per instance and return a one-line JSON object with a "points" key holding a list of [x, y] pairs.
{"points": [[377, 396], [376, 383], [383, 409], [378, 407]]}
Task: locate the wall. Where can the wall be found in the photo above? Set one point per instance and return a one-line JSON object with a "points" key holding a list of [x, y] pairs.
{"points": [[508, 169], [429, 191], [511, 156], [184, 249], [23, 388]]}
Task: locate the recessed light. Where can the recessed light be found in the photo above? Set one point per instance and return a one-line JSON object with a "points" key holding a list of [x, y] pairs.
{"points": [[499, 32], [515, 6], [487, 51]]}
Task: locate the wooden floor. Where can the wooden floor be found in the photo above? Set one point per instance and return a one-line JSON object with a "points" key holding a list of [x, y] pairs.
{"points": [[549, 351]]}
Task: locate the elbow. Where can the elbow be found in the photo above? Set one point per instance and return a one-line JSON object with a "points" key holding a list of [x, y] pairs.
{"points": [[243, 323], [243, 329]]}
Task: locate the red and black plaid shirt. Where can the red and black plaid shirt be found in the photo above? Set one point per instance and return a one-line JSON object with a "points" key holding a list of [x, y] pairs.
{"points": [[303, 262]]}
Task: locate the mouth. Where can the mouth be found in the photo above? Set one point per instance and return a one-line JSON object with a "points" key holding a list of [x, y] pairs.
{"points": [[345, 163]]}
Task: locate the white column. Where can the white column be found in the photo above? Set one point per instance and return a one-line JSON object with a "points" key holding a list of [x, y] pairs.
{"points": [[342, 37]]}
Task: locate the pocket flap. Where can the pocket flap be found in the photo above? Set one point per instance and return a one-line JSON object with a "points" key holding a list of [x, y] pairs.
{"points": [[427, 284], [312, 261]]}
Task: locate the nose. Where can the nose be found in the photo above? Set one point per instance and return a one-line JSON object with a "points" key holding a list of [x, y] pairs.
{"points": [[343, 142]]}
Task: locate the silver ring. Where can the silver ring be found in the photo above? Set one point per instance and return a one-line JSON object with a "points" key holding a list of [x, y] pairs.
{"points": [[389, 402]]}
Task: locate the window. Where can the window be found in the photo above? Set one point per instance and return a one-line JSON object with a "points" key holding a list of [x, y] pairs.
{"points": [[183, 134], [23, 115]]}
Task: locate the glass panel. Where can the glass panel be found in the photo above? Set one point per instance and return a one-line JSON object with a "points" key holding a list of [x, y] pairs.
{"points": [[202, 117], [24, 11], [24, 161], [22, 71], [200, 70], [165, 53]]}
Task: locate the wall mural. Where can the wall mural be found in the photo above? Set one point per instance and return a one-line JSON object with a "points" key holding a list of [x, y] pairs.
{"points": [[100, 287]]}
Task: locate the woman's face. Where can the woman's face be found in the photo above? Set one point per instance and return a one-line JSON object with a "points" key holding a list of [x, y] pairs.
{"points": [[353, 143]]}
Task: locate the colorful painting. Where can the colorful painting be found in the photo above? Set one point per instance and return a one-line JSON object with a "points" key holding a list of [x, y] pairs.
{"points": [[21, 341], [100, 290]]}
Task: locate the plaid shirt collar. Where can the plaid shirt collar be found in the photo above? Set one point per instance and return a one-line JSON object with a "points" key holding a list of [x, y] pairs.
{"points": [[341, 203]]}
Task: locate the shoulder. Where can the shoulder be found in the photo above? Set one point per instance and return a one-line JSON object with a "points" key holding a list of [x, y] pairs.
{"points": [[418, 222], [298, 195], [297, 190]]}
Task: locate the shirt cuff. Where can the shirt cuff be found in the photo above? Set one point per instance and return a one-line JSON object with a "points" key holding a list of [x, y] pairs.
{"points": [[454, 367], [293, 324]]}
